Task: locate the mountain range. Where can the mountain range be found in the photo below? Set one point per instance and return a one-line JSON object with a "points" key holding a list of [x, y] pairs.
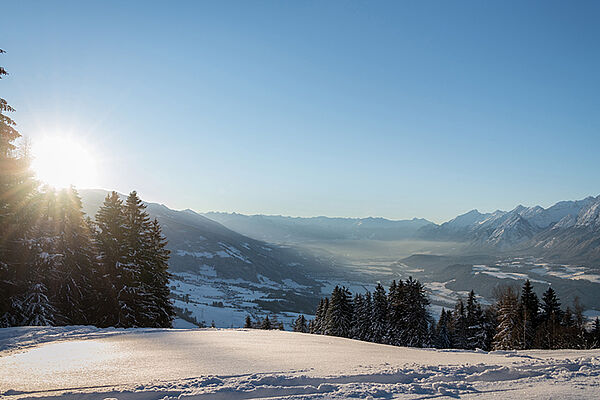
{"points": [[568, 230]]}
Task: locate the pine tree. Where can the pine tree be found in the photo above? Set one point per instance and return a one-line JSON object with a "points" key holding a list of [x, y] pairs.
{"points": [[549, 330], [475, 326], [266, 323], [416, 325], [155, 277], [443, 331], [74, 270], [397, 314], [459, 324], [248, 322], [17, 215], [379, 326], [529, 314], [508, 332], [318, 325], [361, 320], [594, 335], [339, 313], [300, 324], [110, 237]]}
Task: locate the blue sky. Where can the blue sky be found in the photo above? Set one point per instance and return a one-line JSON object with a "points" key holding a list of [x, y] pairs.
{"points": [[397, 109]]}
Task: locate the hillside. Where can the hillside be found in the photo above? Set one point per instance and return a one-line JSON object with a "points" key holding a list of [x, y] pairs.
{"points": [[220, 275], [89, 363]]}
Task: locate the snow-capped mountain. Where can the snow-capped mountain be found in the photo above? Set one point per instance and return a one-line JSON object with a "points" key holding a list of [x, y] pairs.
{"points": [[568, 228]]}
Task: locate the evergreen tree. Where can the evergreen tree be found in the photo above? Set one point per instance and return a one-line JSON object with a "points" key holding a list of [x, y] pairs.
{"points": [[529, 314], [361, 320], [379, 325], [508, 332], [110, 237], [156, 276], [17, 215], [74, 270], [459, 324], [594, 335], [417, 320], [549, 330], [248, 322], [397, 314], [339, 313], [300, 324], [266, 323], [443, 331], [475, 325], [318, 325]]}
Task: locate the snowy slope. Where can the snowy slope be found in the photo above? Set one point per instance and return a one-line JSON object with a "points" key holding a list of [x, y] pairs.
{"points": [[249, 364]]}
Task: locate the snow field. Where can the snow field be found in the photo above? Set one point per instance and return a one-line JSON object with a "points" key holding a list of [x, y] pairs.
{"points": [[75, 363]]}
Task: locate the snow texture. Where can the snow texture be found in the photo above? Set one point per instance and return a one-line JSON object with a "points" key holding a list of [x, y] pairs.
{"points": [[90, 363]]}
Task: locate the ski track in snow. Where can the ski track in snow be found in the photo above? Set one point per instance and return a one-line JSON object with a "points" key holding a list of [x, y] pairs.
{"points": [[248, 364]]}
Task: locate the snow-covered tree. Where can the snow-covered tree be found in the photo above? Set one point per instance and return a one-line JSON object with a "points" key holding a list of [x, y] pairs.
{"points": [[417, 323], [379, 324], [361, 319], [508, 332]]}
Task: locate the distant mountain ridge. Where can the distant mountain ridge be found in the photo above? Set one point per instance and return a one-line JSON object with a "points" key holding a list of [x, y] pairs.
{"points": [[277, 228], [568, 229]]}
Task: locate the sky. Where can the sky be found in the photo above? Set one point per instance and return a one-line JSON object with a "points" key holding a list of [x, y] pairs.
{"points": [[398, 109]]}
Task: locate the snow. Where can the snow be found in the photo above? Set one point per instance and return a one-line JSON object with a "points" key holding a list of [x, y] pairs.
{"points": [[76, 363], [566, 272], [497, 273]]}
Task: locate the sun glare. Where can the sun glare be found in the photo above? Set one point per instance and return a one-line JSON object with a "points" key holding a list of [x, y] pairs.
{"points": [[63, 161]]}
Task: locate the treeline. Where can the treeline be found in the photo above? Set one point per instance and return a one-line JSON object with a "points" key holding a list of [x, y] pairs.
{"points": [[400, 316], [264, 323], [59, 268]]}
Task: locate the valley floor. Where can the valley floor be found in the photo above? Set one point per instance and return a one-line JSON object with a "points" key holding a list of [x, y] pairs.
{"points": [[90, 363]]}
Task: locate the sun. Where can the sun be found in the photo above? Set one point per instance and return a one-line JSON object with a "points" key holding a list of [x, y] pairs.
{"points": [[61, 161]]}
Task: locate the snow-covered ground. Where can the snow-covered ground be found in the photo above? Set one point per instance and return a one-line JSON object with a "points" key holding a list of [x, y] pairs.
{"points": [[90, 363], [227, 302]]}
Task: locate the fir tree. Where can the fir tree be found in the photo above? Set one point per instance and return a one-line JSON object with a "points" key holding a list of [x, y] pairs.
{"points": [[248, 322], [443, 331], [397, 314], [17, 215], [508, 331], [529, 314], [549, 330], [74, 270], [110, 237], [361, 320], [416, 326], [475, 325], [379, 325], [300, 324], [594, 335], [266, 323], [339, 313], [156, 276], [459, 323], [318, 325]]}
